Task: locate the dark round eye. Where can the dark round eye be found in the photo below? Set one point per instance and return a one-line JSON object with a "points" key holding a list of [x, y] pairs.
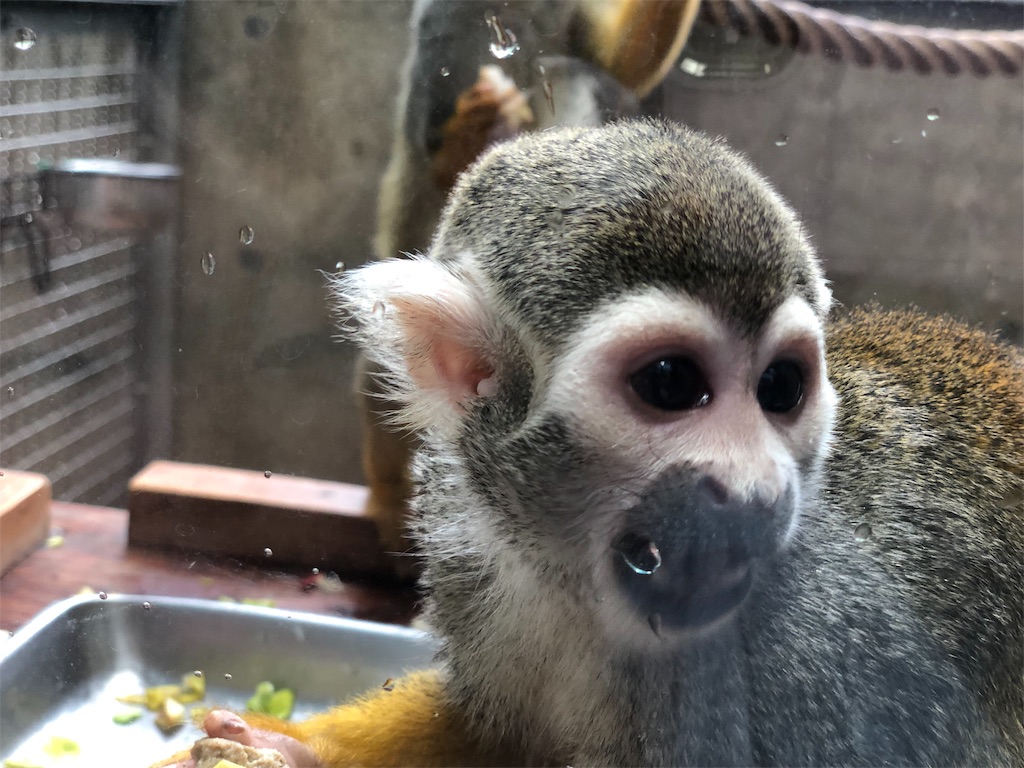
{"points": [[781, 387], [671, 384]]}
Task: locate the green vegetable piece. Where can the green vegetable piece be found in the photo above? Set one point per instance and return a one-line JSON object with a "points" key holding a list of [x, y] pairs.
{"points": [[126, 718], [268, 701], [258, 702], [281, 703]]}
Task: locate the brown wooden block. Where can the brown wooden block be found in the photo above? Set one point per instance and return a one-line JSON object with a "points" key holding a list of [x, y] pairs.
{"points": [[24, 515], [246, 515]]}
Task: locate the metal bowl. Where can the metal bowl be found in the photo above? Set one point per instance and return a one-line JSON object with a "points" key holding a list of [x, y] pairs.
{"points": [[62, 672]]}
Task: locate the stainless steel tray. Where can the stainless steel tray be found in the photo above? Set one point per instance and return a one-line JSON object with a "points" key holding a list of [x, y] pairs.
{"points": [[60, 674]]}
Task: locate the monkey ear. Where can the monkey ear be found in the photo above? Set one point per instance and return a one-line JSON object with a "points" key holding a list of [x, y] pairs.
{"points": [[431, 333]]}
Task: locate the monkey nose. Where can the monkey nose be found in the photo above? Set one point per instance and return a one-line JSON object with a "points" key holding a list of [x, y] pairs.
{"points": [[639, 552]]}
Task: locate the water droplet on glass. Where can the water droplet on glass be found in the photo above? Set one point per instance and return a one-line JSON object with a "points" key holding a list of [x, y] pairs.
{"points": [[10, 391], [245, 235], [102, 595], [640, 553], [268, 552], [504, 43], [24, 39], [316, 571], [445, 71], [147, 605], [389, 685], [28, 218], [924, 134], [268, 473], [693, 67], [209, 263], [781, 140], [933, 114], [862, 532], [339, 266], [549, 94], [379, 309], [897, 140]]}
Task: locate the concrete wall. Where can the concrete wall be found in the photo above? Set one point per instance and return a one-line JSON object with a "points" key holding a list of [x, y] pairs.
{"points": [[286, 120]]}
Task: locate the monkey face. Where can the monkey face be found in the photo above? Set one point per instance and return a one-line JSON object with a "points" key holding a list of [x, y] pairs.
{"points": [[705, 442]]}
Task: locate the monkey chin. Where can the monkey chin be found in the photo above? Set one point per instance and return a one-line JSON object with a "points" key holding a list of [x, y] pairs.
{"points": [[665, 611]]}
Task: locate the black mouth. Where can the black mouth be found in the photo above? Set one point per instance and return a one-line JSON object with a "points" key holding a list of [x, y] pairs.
{"points": [[694, 591]]}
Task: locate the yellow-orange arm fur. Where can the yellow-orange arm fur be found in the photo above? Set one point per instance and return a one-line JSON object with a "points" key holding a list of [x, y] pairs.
{"points": [[411, 725]]}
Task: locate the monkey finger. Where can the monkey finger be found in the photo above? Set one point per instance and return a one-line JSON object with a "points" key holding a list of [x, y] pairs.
{"points": [[222, 724]]}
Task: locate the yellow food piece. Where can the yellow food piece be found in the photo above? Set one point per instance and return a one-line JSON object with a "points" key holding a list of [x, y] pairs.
{"points": [[192, 689], [227, 764], [59, 746], [171, 715]]}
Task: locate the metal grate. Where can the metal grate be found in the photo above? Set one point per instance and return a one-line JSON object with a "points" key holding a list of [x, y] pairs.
{"points": [[69, 362]]}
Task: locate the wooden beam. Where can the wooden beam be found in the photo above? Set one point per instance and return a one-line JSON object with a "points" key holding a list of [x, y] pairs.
{"points": [[24, 515], [276, 520]]}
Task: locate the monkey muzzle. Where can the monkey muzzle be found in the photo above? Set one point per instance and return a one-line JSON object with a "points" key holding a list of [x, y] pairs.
{"points": [[688, 552]]}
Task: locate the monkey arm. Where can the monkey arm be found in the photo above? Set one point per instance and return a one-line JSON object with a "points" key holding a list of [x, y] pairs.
{"points": [[412, 724]]}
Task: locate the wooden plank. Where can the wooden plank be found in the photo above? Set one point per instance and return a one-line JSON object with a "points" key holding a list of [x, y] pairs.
{"points": [[24, 515], [276, 520], [94, 555]]}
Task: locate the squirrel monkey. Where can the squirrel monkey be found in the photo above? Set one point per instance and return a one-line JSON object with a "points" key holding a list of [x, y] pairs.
{"points": [[670, 513], [575, 62]]}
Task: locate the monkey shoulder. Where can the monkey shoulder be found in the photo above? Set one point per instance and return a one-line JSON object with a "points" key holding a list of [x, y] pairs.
{"points": [[929, 395], [924, 486]]}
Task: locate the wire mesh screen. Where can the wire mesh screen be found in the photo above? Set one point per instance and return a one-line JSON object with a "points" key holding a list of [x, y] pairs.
{"points": [[69, 362]]}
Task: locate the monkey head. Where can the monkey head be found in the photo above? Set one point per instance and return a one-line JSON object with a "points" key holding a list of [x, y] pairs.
{"points": [[614, 352]]}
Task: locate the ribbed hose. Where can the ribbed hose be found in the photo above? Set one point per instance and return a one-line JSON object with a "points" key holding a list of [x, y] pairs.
{"points": [[872, 43]]}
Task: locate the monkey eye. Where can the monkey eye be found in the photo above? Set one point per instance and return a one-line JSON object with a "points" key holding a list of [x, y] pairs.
{"points": [[781, 387], [671, 384]]}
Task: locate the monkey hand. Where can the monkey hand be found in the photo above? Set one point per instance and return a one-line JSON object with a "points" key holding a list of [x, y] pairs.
{"points": [[409, 723], [232, 739], [492, 109]]}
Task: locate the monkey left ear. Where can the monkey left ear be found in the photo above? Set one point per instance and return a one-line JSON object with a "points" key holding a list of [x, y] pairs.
{"points": [[430, 331]]}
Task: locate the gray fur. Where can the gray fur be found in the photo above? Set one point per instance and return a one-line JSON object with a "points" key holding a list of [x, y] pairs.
{"points": [[847, 652]]}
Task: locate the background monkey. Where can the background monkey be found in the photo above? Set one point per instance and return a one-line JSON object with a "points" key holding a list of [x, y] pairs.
{"points": [[583, 62], [669, 514]]}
